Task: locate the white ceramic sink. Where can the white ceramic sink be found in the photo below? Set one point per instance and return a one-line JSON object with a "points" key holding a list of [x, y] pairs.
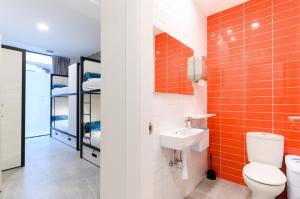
{"points": [[181, 139]]}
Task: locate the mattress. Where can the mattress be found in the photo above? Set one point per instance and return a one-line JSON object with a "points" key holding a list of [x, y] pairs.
{"points": [[62, 125], [90, 75], [91, 84], [94, 140], [60, 91]]}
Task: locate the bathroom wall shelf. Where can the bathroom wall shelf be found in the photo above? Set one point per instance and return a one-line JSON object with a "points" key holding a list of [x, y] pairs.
{"points": [[202, 116]]}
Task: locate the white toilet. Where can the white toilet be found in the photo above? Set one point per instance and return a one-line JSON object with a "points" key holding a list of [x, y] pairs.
{"points": [[262, 174], [292, 163]]}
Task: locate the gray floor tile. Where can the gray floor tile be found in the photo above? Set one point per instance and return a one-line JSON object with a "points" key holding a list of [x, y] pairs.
{"points": [[53, 171], [217, 189]]}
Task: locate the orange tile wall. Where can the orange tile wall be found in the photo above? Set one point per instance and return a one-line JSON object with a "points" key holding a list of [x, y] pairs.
{"points": [[171, 65], [253, 79]]}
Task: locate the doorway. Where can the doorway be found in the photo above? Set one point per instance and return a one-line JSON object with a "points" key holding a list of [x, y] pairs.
{"points": [[38, 73]]}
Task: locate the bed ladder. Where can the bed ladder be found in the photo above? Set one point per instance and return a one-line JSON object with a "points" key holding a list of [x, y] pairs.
{"points": [[89, 114]]}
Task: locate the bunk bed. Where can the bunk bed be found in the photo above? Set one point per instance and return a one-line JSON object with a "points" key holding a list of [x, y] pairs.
{"points": [[64, 107], [59, 89], [90, 92], [91, 81], [60, 122]]}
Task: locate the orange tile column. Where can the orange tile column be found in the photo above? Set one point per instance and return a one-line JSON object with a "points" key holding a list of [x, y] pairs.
{"points": [[286, 51], [253, 79]]}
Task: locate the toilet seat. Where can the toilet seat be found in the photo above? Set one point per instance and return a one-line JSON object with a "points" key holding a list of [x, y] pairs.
{"points": [[264, 174]]}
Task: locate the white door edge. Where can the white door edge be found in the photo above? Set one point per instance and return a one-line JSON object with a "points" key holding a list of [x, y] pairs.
{"points": [[127, 60]]}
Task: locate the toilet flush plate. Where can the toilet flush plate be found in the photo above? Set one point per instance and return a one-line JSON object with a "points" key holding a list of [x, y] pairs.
{"points": [[181, 138]]}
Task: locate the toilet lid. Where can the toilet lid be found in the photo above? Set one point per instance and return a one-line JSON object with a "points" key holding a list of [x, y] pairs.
{"points": [[264, 174]]}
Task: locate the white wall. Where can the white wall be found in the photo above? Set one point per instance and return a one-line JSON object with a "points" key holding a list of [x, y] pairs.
{"points": [[182, 20]]}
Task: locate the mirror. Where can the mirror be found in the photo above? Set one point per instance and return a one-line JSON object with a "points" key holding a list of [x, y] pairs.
{"points": [[171, 62]]}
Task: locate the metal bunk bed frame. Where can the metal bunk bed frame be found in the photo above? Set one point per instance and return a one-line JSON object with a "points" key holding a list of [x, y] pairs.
{"points": [[52, 110], [82, 111]]}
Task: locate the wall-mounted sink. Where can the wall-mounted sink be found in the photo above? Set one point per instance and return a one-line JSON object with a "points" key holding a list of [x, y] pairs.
{"points": [[182, 138]]}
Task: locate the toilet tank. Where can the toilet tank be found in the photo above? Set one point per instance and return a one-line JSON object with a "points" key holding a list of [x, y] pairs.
{"points": [[265, 148]]}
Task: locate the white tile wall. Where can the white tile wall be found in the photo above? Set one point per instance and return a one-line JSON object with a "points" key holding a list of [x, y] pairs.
{"points": [[168, 114], [182, 20]]}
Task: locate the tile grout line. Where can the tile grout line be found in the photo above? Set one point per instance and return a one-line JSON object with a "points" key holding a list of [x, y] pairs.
{"points": [[244, 65], [272, 67], [220, 62], [167, 64]]}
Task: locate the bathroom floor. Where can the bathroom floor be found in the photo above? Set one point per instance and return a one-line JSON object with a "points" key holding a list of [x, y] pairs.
{"points": [[53, 171], [219, 188]]}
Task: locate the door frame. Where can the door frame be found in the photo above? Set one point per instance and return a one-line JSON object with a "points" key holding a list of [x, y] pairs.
{"points": [[127, 92], [23, 104], [50, 134]]}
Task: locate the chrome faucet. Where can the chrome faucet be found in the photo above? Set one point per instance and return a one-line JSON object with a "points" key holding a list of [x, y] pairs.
{"points": [[188, 122]]}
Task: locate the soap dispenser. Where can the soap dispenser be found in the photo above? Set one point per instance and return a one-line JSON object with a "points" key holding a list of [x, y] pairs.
{"points": [[197, 68]]}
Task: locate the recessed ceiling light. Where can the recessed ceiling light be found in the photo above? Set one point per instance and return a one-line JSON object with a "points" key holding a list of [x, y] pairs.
{"points": [[229, 31], [42, 27], [232, 38], [213, 35], [255, 25]]}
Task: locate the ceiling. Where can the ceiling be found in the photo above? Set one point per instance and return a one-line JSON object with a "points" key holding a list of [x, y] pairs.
{"points": [[209, 7], [74, 26]]}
